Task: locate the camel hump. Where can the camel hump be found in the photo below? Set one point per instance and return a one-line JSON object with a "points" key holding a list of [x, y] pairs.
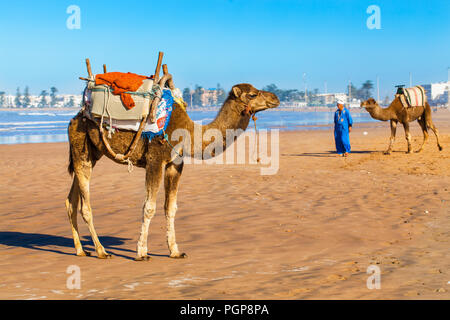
{"points": [[415, 96]]}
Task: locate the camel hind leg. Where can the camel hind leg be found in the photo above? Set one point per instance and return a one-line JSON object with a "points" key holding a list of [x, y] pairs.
{"points": [[82, 160], [72, 210], [423, 125], [83, 173], [430, 124]]}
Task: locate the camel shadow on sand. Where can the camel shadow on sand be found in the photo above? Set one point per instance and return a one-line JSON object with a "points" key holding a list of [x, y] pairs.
{"points": [[326, 154], [51, 243]]}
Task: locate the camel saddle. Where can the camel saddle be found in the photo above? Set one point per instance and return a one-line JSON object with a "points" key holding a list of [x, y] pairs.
{"points": [[103, 103], [412, 97]]}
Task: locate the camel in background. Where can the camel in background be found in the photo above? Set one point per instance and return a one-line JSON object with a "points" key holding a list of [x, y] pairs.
{"points": [[396, 112]]}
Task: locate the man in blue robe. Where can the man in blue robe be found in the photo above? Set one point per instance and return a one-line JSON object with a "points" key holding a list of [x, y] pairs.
{"points": [[342, 127]]}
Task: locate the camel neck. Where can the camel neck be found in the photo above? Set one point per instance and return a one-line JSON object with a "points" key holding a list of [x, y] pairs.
{"points": [[382, 114], [228, 122], [229, 117]]}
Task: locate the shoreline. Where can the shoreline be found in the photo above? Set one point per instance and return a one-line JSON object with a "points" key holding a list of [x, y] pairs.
{"points": [[441, 115], [297, 128], [282, 108]]}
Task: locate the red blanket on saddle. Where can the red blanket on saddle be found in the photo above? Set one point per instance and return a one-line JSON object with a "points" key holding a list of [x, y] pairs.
{"points": [[121, 83]]}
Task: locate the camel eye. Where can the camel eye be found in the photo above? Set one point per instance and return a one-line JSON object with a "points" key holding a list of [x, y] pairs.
{"points": [[252, 95]]}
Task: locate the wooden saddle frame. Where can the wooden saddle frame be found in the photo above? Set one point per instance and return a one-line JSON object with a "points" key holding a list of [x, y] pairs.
{"points": [[165, 80]]}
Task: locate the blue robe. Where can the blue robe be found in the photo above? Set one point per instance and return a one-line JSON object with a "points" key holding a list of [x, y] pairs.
{"points": [[341, 136]]}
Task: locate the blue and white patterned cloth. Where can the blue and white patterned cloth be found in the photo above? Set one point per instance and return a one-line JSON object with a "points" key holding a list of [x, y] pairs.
{"points": [[163, 114]]}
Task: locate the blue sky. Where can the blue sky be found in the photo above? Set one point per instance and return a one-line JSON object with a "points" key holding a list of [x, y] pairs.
{"points": [[226, 42]]}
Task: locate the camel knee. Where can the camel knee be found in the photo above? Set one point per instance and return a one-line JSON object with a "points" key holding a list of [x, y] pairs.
{"points": [[86, 214], [148, 210], [171, 209], [71, 210]]}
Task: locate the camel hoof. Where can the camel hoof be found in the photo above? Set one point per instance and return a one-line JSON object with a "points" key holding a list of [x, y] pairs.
{"points": [[440, 148], [84, 254], [387, 153], [418, 151], [105, 256], [179, 256], [145, 258]]}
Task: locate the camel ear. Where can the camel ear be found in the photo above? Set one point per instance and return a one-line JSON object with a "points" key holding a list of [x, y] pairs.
{"points": [[237, 92]]}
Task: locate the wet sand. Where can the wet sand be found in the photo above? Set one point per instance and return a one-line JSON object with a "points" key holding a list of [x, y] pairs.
{"points": [[308, 232]]}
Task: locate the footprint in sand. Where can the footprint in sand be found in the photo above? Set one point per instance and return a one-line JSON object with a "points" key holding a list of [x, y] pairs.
{"points": [[412, 294], [435, 271], [293, 292], [336, 277]]}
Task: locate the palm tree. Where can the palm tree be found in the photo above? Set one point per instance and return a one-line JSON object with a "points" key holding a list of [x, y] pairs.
{"points": [[18, 99], [43, 102], [53, 92], [26, 101], [366, 90]]}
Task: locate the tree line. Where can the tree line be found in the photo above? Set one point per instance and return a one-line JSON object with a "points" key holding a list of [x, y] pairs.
{"points": [[291, 95], [46, 98], [194, 97]]}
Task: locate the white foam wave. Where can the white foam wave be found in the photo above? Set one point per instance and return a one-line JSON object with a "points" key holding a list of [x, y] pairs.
{"points": [[31, 123], [28, 128], [51, 114]]}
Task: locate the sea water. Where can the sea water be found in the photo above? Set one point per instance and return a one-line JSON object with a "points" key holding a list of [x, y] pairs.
{"points": [[35, 126]]}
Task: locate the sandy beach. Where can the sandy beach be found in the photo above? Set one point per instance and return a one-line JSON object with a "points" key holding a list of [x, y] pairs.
{"points": [[308, 232]]}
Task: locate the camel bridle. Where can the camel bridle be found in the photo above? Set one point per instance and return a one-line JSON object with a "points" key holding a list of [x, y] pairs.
{"points": [[249, 112]]}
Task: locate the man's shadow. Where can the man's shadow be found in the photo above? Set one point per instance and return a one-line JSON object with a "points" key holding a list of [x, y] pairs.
{"points": [[50, 243]]}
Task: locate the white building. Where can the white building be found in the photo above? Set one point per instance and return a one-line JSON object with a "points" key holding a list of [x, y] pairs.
{"points": [[331, 98], [437, 93]]}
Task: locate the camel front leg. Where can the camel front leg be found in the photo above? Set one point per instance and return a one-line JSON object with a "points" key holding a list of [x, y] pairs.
{"points": [[407, 136], [171, 182], [152, 181], [392, 138]]}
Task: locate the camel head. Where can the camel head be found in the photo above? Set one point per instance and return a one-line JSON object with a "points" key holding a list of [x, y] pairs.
{"points": [[369, 104], [250, 100]]}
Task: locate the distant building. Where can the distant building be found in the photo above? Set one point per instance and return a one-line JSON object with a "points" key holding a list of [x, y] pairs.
{"points": [[437, 93], [330, 99], [293, 104], [209, 96], [63, 100]]}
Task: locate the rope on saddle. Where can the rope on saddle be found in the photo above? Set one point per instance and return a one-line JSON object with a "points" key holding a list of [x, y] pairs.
{"points": [[125, 158], [166, 138]]}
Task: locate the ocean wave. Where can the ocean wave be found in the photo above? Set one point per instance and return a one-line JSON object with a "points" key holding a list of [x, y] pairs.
{"points": [[31, 128], [27, 123], [51, 114], [33, 139]]}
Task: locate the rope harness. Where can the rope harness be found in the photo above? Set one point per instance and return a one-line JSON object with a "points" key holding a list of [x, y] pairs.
{"points": [[156, 93], [248, 111]]}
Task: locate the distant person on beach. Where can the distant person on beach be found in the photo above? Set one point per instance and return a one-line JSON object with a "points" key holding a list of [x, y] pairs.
{"points": [[342, 127]]}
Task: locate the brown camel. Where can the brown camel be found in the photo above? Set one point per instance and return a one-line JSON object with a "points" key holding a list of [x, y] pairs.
{"points": [[397, 113], [157, 157]]}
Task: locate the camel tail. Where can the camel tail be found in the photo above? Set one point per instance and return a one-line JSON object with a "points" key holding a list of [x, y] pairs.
{"points": [[427, 115], [70, 168]]}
